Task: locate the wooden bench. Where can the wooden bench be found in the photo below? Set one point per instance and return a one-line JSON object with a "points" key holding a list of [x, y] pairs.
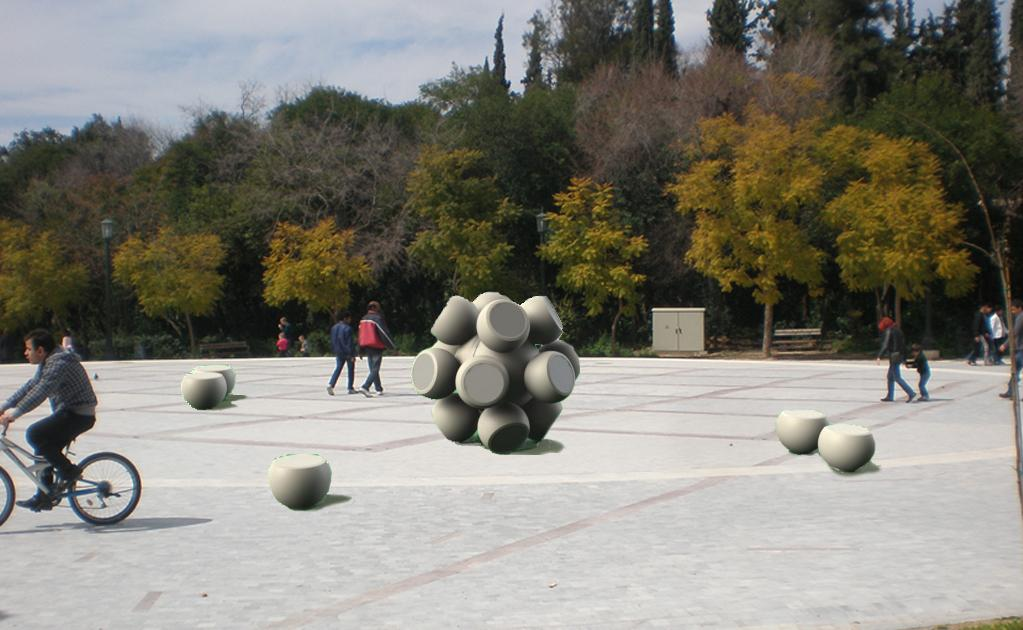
{"points": [[224, 349], [796, 339]]}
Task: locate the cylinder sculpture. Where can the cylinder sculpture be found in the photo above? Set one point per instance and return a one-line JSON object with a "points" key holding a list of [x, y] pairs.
{"points": [[499, 370]]}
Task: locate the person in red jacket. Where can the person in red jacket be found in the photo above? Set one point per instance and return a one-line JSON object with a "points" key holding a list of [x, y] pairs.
{"points": [[374, 338]]}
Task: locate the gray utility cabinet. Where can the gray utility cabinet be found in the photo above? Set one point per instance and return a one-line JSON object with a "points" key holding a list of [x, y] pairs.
{"points": [[678, 329]]}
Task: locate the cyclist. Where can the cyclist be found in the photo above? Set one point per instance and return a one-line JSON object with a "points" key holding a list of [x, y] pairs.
{"points": [[61, 378]]}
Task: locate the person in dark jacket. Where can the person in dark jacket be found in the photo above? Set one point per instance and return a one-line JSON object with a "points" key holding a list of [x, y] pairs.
{"points": [[893, 345], [980, 334], [1016, 309], [342, 342], [374, 338], [918, 359]]}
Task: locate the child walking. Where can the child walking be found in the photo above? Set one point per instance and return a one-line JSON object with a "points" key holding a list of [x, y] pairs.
{"points": [[917, 359]]}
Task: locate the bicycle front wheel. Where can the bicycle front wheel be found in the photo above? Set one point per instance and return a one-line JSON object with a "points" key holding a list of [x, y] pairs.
{"points": [[6, 495], [108, 491]]}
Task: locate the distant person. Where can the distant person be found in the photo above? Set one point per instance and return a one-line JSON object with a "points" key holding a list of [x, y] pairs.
{"points": [[374, 338], [1016, 309], [999, 333], [285, 327], [342, 342], [282, 345], [67, 342], [918, 360], [980, 334], [893, 346], [303, 346]]}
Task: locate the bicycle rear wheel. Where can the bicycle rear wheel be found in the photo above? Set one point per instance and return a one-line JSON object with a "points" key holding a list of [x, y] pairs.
{"points": [[108, 491], [6, 495]]}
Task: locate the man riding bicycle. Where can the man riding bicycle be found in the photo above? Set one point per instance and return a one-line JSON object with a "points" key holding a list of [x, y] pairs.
{"points": [[61, 378]]}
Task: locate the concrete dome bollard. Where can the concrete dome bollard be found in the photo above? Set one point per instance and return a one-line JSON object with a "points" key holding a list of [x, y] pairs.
{"points": [[456, 420], [550, 377], [503, 428], [433, 373], [481, 382], [846, 447], [456, 323], [226, 370], [203, 390], [502, 325], [541, 417], [798, 429], [544, 324], [299, 481]]}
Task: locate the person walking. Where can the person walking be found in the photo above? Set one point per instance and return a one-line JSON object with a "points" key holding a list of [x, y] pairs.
{"points": [[980, 334], [918, 359], [374, 338], [996, 324], [893, 345], [342, 342], [1016, 309], [282, 345]]}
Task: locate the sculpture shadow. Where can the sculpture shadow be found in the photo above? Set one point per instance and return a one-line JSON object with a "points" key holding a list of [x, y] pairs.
{"points": [[331, 499], [127, 525], [869, 467], [539, 448]]}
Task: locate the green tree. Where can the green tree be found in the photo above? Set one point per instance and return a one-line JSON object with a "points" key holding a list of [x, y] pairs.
{"points": [[463, 212], [977, 37], [642, 30], [665, 47], [591, 242], [750, 189], [730, 24], [500, 65], [173, 275], [895, 227], [314, 267], [535, 41], [36, 277]]}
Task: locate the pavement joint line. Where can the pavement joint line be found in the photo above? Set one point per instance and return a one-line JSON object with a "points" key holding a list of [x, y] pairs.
{"points": [[147, 601]]}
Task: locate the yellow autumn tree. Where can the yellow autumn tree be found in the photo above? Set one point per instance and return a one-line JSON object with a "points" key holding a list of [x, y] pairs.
{"points": [[313, 266], [895, 227], [173, 275], [463, 213], [36, 276], [750, 189], [591, 242]]}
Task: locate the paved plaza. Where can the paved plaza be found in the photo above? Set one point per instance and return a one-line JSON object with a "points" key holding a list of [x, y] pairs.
{"points": [[660, 498]]}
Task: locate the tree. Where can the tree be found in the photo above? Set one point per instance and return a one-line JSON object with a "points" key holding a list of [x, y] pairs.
{"points": [[586, 34], [665, 47], [642, 30], [749, 190], [977, 38], [173, 275], [895, 228], [500, 66], [730, 24], [462, 212], [591, 242], [36, 277], [314, 267], [535, 40]]}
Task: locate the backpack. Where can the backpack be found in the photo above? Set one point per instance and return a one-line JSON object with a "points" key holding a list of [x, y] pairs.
{"points": [[369, 335]]}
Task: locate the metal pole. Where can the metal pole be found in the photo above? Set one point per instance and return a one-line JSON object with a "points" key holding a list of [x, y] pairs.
{"points": [[109, 301]]}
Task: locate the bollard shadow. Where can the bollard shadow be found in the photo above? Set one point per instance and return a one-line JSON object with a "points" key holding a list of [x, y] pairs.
{"points": [[228, 402], [127, 525], [539, 448], [331, 499], [869, 467]]}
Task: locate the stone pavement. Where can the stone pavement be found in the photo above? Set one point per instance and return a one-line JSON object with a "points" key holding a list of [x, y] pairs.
{"points": [[661, 498]]}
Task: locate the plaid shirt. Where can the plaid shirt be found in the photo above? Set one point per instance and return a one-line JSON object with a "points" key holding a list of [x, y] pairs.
{"points": [[63, 380]]}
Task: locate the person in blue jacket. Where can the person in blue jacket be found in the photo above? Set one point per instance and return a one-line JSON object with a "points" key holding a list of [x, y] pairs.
{"points": [[342, 342]]}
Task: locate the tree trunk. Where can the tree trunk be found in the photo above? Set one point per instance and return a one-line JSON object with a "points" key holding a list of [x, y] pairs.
{"points": [[191, 335], [768, 328], [177, 329], [898, 308], [614, 326]]}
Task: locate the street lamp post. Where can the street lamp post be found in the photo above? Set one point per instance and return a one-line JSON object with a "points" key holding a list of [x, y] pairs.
{"points": [[541, 227], [107, 227]]}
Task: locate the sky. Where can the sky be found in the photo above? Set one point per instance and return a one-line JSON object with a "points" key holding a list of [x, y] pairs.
{"points": [[153, 61]]}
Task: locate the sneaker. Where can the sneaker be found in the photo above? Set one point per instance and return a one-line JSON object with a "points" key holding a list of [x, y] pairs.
{"points": [[365, 392], [379, 393], [352, 390], [924, 399], [1005, 395], [887, 399], [37, 503], [910, 398], [330, 390], [66, 480]]}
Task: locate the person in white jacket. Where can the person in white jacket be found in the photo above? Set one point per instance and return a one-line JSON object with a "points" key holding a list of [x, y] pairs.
{"points": [[996, 324]]}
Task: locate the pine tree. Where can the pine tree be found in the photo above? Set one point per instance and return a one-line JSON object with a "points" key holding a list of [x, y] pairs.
{"points": [[642, 30], [499, 61], [533, 40], [664, 37], [1016, 59], [729, 24], [977, 28], [904, 38]]}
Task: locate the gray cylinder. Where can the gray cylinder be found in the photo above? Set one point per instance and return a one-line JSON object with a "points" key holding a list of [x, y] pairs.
{"points": [[486, 298], [456, 323], [502, 325], [515, 363], [541, 416], [482, 382], [455, 419], [433, 373], [503, 428], [544, 323], [550, 377], [566, 349], [467, 350], [447, 347]]}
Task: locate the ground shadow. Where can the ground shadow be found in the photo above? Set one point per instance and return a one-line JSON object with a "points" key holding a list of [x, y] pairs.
{"points": [[331, 499], [127, 525], [539, 448], [869, 467], [229, 401]]}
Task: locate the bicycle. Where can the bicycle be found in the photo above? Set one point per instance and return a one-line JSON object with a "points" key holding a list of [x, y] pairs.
{"points": [[107, 492]]}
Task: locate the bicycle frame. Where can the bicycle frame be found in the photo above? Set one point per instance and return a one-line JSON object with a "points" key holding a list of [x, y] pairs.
{"points": [[34, 470]]}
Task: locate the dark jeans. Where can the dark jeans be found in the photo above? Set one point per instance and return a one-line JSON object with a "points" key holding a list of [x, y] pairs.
{"points": [[895, 376], [995, 353], [341, 362], [49, 436], [1015, 378], [373, 359], [979, 350], [924, 377]]}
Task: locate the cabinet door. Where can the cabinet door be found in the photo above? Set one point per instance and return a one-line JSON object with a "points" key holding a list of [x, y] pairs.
{"points": [[690, 332], [666, 331]]}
